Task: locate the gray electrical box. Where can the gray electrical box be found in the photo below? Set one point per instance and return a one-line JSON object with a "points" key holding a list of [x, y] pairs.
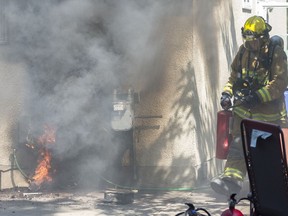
{"points": [[122, 111]]}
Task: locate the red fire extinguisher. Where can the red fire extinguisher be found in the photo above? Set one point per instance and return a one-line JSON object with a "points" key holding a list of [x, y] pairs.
{"points": [[223, 136], [232, 211]]}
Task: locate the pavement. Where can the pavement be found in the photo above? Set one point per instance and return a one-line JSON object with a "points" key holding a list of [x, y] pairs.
{"points": [[22, 202]]}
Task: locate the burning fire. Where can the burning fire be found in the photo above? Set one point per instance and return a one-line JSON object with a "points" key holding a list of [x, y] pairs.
{"points": [[42, 171]]}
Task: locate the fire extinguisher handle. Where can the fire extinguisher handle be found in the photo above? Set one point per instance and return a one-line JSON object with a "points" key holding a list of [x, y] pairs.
{"points": [[191, 211]]}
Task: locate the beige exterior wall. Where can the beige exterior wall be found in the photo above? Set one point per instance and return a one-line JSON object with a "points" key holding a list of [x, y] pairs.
{"points": [[13, 81], [197, 50]]}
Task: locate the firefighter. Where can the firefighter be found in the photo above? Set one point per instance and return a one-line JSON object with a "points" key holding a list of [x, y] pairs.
{"points": [[256, 85]]}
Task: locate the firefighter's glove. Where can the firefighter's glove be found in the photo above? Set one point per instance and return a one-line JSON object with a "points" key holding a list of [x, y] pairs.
{"points": [[250, 100], [225, 101]]}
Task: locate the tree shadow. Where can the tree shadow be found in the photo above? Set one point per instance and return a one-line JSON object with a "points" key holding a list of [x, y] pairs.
{"points": [[201, 116]]}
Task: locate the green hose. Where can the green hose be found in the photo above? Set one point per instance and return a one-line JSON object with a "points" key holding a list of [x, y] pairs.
{"points": [[154, 189], [123, 186], [19, 168], [158, 189]]}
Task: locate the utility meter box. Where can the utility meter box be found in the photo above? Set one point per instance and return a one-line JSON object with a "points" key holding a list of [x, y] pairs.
{"points": [[122, 111]]}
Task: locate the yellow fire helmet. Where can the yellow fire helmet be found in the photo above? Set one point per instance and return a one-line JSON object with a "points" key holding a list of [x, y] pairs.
{"points": [[255, 26]]}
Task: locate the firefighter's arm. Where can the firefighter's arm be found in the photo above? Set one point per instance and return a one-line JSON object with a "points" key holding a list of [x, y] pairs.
{"points": [[229, 85], [276, 87]]}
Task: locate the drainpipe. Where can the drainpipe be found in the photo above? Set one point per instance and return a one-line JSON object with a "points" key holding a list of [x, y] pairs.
{"points": [[264, 7]]}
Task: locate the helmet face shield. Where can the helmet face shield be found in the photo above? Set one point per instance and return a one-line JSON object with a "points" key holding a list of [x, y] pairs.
{"points": [[251, 43]]}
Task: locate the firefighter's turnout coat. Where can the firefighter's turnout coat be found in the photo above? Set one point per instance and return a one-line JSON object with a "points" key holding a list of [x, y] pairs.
{"points": [[267, 80]]}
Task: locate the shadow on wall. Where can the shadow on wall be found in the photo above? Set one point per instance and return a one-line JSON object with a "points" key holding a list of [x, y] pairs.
{"points": [[229, 38], [188, 103], [201, 116], [207, 31], [208, 34]]}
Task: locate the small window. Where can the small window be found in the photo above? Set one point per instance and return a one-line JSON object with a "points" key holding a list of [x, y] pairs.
{"points": [[247, 4], [3, 23]]}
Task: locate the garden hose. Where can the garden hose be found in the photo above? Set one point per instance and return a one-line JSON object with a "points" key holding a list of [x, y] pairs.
{"points": [[19, 168], [153, 189], [123, 186]]}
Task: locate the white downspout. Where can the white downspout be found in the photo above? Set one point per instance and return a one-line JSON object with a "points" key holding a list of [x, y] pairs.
{"points": [[264, 7]]}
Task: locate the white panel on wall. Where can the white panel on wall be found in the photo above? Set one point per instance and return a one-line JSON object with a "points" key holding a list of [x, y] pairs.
{"points": [[247, 4], [3, 23]]}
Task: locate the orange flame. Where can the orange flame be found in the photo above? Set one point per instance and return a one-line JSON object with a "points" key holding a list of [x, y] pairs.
{"points": [[42, 171]]}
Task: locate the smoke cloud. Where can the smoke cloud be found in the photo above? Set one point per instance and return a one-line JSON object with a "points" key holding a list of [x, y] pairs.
{"points": [[75, 54]]}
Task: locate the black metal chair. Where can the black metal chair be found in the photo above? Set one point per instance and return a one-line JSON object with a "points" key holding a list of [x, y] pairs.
{"points": [[265, 156]]}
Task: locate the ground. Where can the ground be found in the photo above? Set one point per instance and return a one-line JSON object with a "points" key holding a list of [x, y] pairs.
{"points": [[22, 202]]}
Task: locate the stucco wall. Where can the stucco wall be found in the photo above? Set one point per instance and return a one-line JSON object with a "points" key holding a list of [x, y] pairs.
{"points": [[181, 152], [13, 84], [199, 50]]}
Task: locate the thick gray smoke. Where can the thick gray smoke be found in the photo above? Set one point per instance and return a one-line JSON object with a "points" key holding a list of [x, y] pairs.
{"points": [[75, 53]]}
